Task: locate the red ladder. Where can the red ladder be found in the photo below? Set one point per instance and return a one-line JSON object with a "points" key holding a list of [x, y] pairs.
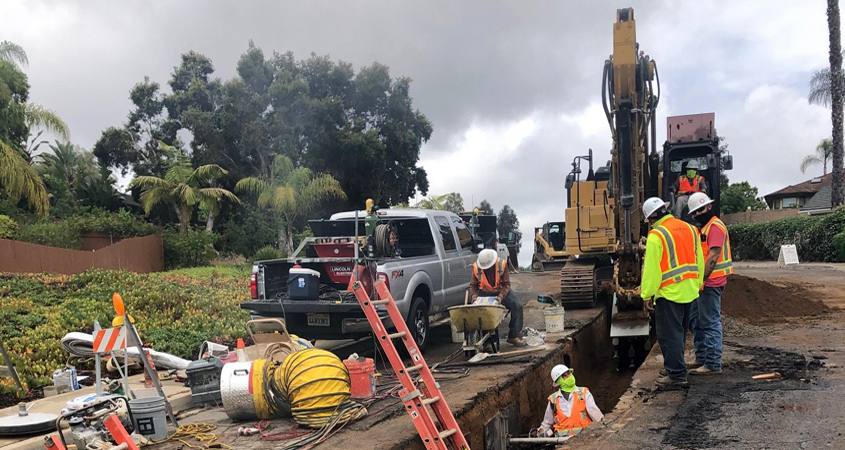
{"points": [[415, 398]]}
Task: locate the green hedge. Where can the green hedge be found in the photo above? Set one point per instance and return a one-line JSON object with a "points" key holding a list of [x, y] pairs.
{"points": [[8, 227], [813, 237]]}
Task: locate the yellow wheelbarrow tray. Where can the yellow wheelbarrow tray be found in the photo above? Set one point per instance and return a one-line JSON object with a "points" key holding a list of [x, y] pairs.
{"points": [[480, 325], [477, 317]]}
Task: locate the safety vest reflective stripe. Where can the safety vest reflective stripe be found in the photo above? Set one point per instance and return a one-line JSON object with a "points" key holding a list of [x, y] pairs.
{"points": [[482, 277], [724, 265], [685, 186], [680, 260]]}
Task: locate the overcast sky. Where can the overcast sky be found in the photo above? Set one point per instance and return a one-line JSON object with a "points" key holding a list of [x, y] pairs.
{"points": [[512, 88]]}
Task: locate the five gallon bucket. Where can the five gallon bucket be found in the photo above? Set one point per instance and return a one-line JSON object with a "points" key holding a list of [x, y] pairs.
{"points": [[362, 377], [457, 336], [554, 319], [150, 417]]}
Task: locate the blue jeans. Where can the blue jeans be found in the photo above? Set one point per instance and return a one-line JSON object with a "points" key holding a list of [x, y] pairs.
{"points": [[706, 326], [511, 302], [670, 321]]}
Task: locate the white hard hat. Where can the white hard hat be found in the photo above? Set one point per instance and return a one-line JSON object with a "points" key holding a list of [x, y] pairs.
{"points": [[557, 371], [487, 258], [693, 164], [697, 201], [651, 205]]}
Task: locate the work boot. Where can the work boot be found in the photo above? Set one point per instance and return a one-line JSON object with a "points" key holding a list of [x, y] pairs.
{"points": [[517, 342], [695, 365], [666, 382], [662, 373], [703, 370]]}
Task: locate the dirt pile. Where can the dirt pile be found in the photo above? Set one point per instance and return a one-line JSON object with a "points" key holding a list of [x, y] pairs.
{"points": [[760, 302]]}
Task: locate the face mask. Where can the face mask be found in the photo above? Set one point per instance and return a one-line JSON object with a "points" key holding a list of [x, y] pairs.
{"points": [[567, 385], [690, 173], [704, 217]]}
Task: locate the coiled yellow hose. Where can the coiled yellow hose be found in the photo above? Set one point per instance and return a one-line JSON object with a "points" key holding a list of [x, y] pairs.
{"points": [[312, 384]]}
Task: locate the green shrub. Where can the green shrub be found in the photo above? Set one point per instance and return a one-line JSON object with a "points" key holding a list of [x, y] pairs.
{"points": [[194, 249], [813, 237], [173, 313], [65, 233], [8, 227], [268, 252], [839, 245], [248, 230], [54, 234]]}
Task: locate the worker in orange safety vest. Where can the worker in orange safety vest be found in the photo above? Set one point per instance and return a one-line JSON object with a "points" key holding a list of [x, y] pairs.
{"points": [[490, 278], [687, 184], [571, 408], [705, 315]]}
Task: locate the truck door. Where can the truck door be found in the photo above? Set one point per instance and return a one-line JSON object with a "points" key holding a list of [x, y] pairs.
{"points": [[453, 264]]}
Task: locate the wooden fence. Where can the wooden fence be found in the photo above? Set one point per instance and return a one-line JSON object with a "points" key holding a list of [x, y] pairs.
{"points": [[766, 215], [140, 254]]}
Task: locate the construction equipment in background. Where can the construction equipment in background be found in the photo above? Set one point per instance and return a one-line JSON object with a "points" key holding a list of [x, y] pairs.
{"points": [[419, 391], [549, 247], [485, 229], [605, 231]]}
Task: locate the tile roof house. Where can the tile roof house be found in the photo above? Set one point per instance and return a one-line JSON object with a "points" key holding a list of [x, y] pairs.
{"points": [[810, 196]]}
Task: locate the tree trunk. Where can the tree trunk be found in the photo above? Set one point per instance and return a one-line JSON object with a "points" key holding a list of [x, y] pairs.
{"points": [[283, 239], [209, 223], [290, 248], [184, 219], [836, 98]]}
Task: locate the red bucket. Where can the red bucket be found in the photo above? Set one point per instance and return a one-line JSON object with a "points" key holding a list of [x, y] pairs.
{"points": [[363, 378]]}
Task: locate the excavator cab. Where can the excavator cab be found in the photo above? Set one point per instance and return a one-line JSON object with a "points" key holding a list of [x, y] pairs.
{"points": [[693, 138]]}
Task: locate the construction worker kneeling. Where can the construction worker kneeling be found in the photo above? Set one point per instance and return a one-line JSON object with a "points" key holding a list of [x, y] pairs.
{"points": [[571, 408]]}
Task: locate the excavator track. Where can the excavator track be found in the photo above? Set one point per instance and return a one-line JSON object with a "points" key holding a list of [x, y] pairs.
{"points": [[578, 284]]}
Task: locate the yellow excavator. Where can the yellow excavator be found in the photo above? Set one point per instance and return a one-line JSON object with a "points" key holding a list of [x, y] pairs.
{"points": [[605, 231], [604, 225]]}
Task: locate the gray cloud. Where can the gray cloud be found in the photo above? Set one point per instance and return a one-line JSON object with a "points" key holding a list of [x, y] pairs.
{"points": [[479, 69]]}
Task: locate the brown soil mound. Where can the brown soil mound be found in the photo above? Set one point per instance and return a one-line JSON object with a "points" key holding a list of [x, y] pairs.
{"points": [[760, 302]]}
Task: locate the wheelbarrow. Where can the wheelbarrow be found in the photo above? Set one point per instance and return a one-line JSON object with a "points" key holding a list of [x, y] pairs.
{"points": [[480, 325]]}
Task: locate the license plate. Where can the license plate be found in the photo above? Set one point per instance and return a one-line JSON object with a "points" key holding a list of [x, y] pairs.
{"points": [[318, 320]]}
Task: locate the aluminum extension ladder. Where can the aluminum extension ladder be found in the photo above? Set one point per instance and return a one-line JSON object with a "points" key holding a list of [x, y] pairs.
{"points": [[416, 399]]}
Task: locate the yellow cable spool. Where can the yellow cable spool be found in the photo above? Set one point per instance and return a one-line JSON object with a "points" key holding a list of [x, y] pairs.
{"points": [[316, 385], [259, 374]]}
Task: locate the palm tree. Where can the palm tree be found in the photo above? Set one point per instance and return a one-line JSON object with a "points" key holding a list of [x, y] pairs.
{"points": [[20, 180], [182, 187], [836, 89], [437, 202], [69, 164], [292, 192], [42, 118], [36, 116], [824, 153], [13, 53]]}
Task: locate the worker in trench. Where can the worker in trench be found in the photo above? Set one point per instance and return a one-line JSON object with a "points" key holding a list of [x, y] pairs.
{"points": [[490, 278], [686, 185], [673, 273], [705, 314], [571, 408]]}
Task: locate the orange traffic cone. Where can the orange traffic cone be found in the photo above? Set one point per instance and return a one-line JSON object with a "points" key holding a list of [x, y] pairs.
{"points": [[241, 351]]}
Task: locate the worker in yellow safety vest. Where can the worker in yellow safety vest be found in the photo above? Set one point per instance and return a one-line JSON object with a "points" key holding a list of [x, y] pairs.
{"points": [[687, 184], [705, 315], [673, 272], [490, 278], [571, 408]]}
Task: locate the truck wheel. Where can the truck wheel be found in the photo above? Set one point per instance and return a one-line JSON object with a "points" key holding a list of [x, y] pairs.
{"points": [[418, 322]]}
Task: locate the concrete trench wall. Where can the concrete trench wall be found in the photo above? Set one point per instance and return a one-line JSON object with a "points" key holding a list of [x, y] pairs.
{"points": [[588, 351]]}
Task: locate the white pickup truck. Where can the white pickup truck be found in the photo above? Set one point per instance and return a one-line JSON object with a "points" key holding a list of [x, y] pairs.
{"points": [[431, 273]]}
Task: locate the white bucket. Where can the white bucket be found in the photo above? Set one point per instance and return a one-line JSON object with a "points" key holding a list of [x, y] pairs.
{"points": [[456, 337], [150, 417], [554, 319]]}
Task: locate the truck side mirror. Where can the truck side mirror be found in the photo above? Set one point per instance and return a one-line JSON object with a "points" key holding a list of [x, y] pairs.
{"points": [[728, 162], [477, 246]]}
